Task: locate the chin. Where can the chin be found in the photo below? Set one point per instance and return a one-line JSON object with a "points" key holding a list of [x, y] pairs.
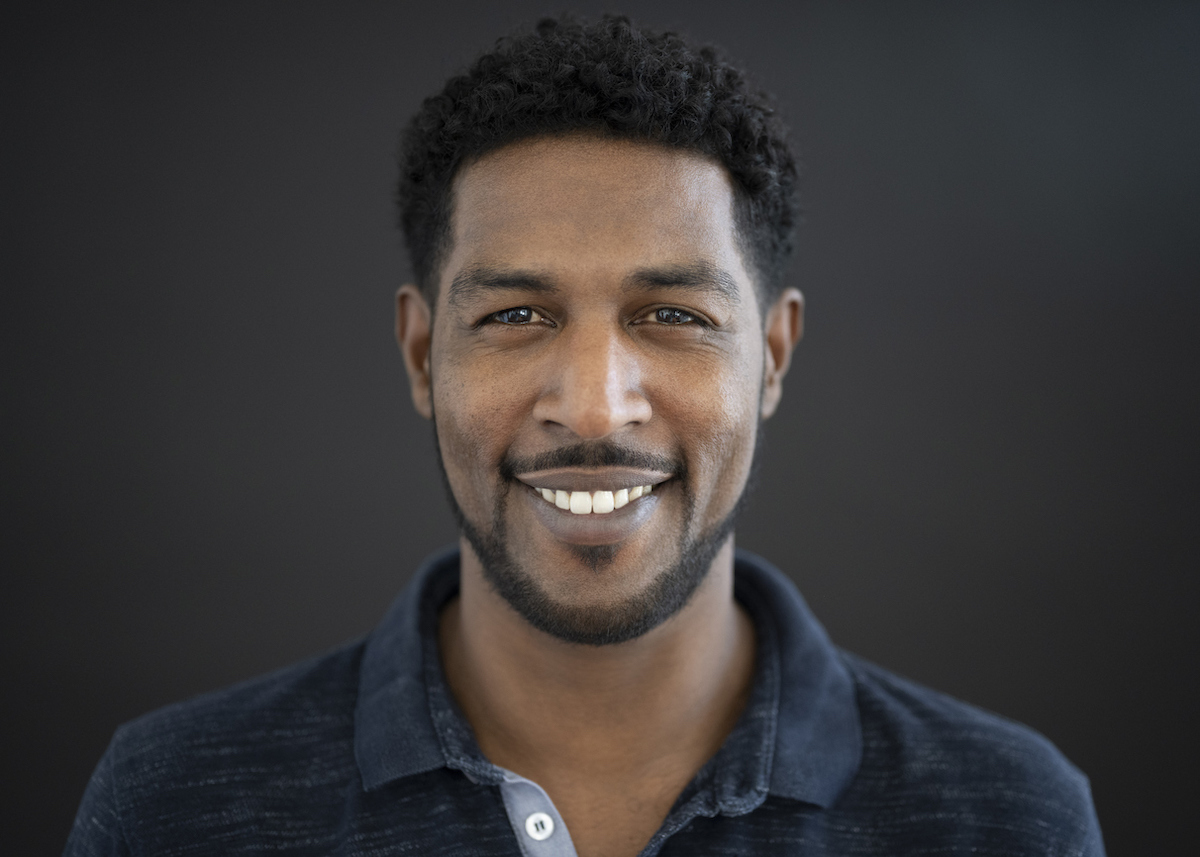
{"points": [[593, 624]]}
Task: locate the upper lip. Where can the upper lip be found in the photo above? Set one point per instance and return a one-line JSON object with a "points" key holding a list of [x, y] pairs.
{"points": [[592, 479]]}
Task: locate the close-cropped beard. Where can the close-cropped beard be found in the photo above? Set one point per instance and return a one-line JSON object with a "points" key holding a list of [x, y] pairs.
{"points": [[667, 594]]}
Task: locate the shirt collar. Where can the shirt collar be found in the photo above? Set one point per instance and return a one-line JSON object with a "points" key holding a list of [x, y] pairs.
{"points": [[799, 736], [818, 735]]}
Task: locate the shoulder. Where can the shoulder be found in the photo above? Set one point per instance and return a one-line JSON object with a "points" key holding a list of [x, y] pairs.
{"points": [[209, 764], [924, 732], [944, 759], [281, 709]]}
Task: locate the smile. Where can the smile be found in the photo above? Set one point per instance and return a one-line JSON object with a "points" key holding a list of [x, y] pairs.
{"points": [[594, 506], [592, 502]]}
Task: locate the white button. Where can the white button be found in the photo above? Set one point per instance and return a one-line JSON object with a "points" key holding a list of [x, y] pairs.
{"points": [[539, 826]]}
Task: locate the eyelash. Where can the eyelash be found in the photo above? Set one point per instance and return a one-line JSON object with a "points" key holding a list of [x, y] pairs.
{"points": [[535, 317], [676, 311]]}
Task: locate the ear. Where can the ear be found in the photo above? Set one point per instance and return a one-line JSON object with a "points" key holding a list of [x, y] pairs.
{"points": [[784, 327], [413, 335]]}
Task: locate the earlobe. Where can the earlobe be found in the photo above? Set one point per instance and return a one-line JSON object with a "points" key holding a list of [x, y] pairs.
{"points": [[414, 335], [784, 327]]}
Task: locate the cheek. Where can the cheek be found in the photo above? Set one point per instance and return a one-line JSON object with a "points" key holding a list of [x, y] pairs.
{"points": [[478, 416], [730, 443], [465, 447], [716, 423]]}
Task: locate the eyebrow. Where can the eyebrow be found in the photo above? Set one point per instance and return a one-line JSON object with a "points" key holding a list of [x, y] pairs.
{"points": [[477, 280], [481, 279], [697, 276]]}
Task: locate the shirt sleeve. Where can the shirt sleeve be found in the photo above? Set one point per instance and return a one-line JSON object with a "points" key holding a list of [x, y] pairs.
{"points": [[97, 828]]}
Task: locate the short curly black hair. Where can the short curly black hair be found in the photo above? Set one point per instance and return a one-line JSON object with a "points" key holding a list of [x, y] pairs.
{"points": [[612, 78]]}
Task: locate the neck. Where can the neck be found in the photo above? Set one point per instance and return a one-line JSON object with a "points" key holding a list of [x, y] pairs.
{"points": [[661, 703]]}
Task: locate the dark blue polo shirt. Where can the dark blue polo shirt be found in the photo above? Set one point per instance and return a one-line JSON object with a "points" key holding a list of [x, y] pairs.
{"points": [[363, 751]]}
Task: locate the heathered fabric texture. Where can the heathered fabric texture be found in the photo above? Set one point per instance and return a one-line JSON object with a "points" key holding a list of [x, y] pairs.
{"points": [[362, 751]]}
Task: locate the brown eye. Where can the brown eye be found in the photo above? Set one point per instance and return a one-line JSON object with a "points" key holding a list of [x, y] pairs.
{"points": [[671, 315], [517, 315]]}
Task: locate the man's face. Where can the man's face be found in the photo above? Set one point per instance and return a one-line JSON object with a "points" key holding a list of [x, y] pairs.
{"points": [[596, 331]]}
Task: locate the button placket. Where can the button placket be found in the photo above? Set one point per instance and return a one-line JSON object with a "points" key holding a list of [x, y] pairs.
{"points": [[535, 821]]}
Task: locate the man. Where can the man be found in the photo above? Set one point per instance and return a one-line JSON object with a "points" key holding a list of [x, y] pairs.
{"points": [[599, 220]]}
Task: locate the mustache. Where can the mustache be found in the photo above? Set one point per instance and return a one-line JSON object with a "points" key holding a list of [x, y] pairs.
{"points": [[601, 454]]}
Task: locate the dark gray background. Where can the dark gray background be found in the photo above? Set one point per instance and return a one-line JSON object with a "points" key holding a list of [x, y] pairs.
{"points": [[983, 472]]}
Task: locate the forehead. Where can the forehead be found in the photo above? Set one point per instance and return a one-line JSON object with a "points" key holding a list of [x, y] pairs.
{"points": [[591, 207]]}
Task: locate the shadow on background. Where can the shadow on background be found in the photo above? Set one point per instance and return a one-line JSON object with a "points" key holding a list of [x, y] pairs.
{"points": [[983, 475]]}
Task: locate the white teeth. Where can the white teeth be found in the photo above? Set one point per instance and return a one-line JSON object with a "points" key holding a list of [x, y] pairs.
{"points": [[581, 503], [599, 502]]}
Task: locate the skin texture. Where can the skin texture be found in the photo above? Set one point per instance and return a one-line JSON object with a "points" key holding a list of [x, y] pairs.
{"points": [[594, 300]]}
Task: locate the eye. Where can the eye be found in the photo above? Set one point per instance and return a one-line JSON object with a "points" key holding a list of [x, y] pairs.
{"points": [[674, 315], [516, 316]]}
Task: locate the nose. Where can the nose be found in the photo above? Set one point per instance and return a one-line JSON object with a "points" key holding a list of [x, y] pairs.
{"points": [[594, 384]]}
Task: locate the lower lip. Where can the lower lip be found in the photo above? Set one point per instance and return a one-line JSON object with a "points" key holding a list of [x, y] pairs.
{"points": [[592, 529]]}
